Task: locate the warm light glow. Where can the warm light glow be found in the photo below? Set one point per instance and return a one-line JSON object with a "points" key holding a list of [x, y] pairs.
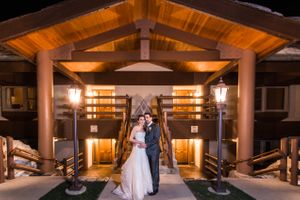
{"points": [[234, 140], [90, 93], [74, 95], [197, 94], [220, 92], [90, 141]]}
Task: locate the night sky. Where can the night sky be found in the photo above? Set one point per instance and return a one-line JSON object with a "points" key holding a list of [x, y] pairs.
{"points": [[14, 8]]}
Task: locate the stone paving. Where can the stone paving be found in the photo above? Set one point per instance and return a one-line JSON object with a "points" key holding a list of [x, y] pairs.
{"points": [[28, 187], [171, 187]]}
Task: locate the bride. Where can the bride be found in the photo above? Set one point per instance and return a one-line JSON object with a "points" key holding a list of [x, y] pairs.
{"points": [[136, 178]]}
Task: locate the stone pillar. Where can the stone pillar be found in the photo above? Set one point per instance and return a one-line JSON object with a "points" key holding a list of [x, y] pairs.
{"points": [[45, 110], [246, 92]]}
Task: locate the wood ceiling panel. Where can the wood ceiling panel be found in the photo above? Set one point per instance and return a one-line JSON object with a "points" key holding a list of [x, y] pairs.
{"points": [[159, 42], [128, 43], [72, 30], [217, 29], [161, 11]]}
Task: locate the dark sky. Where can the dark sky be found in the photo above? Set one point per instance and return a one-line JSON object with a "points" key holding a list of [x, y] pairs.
{"points": [[14, 8]]}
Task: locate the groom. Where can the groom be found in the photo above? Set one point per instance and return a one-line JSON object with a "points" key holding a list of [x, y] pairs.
{"points": [[153, 150]]}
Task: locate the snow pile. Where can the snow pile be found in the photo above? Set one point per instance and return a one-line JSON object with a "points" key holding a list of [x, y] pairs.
{"points": [[259, 7], [235, 174], [19, 160]]}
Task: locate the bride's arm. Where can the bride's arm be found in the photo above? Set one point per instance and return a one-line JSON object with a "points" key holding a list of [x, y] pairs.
{"points": [[132, 136]]}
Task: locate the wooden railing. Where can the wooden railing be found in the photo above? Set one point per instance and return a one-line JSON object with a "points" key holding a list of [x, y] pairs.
{"points": [[124, 134], [11, 165], [2, 156], [166, 139], [207, 106], [68, 166], [289, 147], [211, 164]]}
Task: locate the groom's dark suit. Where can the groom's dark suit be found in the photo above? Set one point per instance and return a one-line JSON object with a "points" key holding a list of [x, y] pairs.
{"points": [[153, 150]]}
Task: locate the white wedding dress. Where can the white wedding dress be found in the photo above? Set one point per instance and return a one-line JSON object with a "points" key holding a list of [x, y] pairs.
{"points": [[136, 180]]}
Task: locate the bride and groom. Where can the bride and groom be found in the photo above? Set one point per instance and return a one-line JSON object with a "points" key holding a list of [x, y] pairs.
{"points": [[140, 172]]}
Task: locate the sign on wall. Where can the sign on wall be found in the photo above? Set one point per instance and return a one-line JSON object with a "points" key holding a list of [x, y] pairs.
{"points": [[194, 129]]}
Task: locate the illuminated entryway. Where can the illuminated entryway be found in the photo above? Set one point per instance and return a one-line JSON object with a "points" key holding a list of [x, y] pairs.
{"points": [[189, 151], [103, 151]]}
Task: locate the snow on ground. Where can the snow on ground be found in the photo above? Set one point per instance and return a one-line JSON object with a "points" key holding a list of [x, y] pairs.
{"points": [[259, 7], [19, 160]]}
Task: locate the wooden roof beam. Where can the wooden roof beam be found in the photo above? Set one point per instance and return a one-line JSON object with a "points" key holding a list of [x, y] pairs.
{"points": [[66, 72], [64, 52], [49, 16], [185, 37], [144, 25], [225, 70], [163, 56], [226, 51], [245, 15]]}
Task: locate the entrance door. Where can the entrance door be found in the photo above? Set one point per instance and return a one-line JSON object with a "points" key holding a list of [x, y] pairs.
{"points": [[103, 151], [181, 151]]}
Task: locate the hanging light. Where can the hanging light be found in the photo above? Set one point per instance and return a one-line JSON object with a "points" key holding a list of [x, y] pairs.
{"points": [[220, 92]]}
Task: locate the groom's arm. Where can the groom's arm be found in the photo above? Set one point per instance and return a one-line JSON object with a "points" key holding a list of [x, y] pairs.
{"points": [[156, 137]]}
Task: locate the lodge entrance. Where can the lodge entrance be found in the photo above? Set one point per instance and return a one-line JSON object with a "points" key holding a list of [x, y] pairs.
{"points": [[103, 151], [184, 151]]}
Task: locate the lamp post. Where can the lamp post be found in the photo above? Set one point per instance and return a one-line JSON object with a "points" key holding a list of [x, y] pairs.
{"points": [[220, 94], [75, 188]]}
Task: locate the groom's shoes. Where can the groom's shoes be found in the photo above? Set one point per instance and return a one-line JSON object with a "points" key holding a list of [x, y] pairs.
{"points": [[153, 193]]}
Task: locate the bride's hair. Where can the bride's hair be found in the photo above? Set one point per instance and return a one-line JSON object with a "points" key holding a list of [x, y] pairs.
{"points": [[140, 117]]}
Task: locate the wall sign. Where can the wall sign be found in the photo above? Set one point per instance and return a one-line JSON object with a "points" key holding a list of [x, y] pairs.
{"points": [[194, 129], [94, 128]]}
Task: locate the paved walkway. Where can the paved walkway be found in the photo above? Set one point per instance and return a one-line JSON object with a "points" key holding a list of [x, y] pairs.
{"points": [[171, 187], [266, 189], [28, 188]]}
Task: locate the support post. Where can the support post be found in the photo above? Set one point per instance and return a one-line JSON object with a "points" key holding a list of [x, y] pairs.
{"points": [[1, 161], [10, 158], [294, 161], [283, 160], [218, 188], [246, 89], [75, 143], [45, 110]]}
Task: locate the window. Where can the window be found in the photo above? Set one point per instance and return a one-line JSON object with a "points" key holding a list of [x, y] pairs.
{"points": [[18, 98], [271, 99]]}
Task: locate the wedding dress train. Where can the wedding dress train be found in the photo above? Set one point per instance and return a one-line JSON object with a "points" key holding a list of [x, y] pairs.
{"points": [[136, 178]]}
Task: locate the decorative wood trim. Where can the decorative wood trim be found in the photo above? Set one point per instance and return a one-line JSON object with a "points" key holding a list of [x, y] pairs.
{"points": [[248, 16], [49, 16]]}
